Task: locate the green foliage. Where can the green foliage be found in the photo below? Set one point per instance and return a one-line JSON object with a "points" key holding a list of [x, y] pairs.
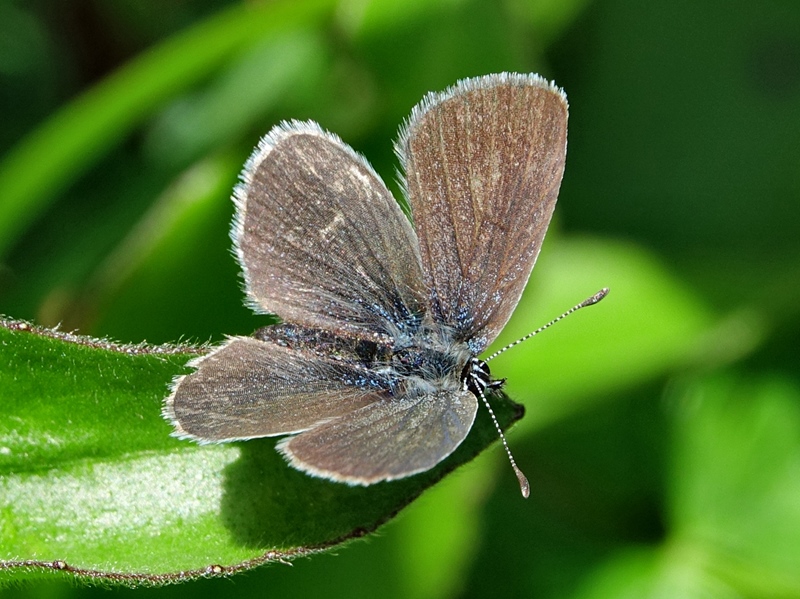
{"points": [[662, 434]]}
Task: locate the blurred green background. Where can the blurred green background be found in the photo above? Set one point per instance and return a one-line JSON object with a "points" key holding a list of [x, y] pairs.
{"points": [[663, 431]]}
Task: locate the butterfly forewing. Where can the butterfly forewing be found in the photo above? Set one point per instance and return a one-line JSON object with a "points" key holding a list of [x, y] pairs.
{"points": [[321, 240], [483, 164]]}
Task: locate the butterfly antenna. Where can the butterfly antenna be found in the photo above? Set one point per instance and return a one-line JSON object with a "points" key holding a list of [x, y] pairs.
{"points": [[524, 485], [587, 302]]}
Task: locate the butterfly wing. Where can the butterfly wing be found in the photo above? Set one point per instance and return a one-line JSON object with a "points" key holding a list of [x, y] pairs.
{"points": [[385, 440], [321, 241], [483, 164], [351, 429], [251, 388]]}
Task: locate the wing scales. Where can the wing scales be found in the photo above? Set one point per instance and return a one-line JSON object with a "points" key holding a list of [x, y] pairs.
{"points": [[385, 440], [321, 240], [483, 163], [249, 388]]}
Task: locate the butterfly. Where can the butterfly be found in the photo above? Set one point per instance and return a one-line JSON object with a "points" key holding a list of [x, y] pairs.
{"points": [[373, 374]]}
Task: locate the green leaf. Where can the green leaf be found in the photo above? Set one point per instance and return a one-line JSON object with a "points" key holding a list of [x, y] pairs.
{"points": [[92, 484]]}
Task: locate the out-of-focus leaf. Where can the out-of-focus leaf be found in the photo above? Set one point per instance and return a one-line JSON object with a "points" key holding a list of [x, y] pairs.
{"points": [[248, 88], [734, 528], [648, 325], [736, 481], [53, 155]]}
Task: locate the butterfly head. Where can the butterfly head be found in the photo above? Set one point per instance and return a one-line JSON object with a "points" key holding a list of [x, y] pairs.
{"points": [[477, 378]]}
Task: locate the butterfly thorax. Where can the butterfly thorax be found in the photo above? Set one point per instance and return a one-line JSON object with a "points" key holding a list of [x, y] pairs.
{"points": [[430, 359]]}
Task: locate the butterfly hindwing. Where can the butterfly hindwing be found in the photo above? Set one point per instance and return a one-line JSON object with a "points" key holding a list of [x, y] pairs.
{"points": [[251, 388], [385, 440]]}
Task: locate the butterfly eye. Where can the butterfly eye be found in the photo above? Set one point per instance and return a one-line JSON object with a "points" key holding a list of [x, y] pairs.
{"points": [[476, 377]]}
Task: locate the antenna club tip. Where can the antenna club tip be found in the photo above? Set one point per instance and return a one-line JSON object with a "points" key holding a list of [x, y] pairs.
{"points": [[596, 297], [524, 485]]}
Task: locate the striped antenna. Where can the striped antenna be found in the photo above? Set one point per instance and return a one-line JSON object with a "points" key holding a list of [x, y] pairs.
{"points": [[587, 302], [524, 485]]}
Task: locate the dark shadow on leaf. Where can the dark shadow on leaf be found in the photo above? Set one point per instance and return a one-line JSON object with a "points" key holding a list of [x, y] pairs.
{"points": [[270, 506]]}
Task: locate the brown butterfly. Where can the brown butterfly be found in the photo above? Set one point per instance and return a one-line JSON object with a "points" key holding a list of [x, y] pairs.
{"points": [[374, 372]]}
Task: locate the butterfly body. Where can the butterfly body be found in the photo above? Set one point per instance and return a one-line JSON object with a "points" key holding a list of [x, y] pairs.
{"points": [[425, 358]]}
